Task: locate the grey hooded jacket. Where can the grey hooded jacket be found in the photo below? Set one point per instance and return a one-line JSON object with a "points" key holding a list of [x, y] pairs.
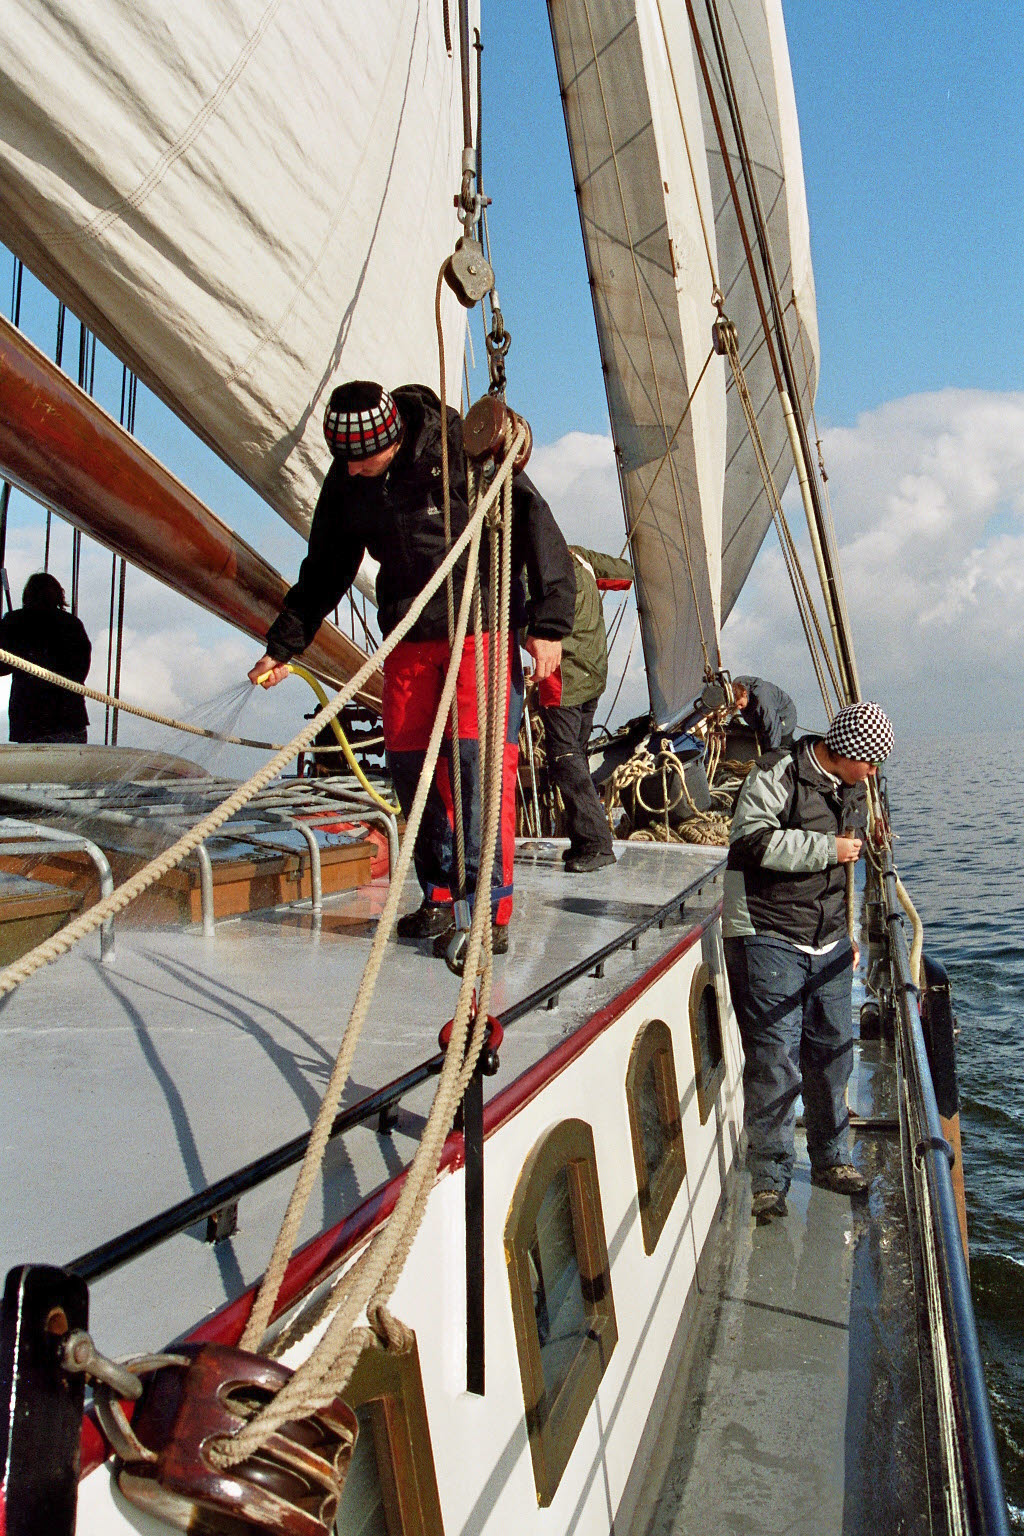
{"points": [[783, 878]]}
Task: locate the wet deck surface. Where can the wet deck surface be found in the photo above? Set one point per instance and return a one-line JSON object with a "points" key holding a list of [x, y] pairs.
{"points": [[126, 1088], [797, 1406]]}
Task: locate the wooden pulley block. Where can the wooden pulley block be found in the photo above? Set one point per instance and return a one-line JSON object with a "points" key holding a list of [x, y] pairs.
{"points": [[291, 1485], [484, 427], [468, 273]]}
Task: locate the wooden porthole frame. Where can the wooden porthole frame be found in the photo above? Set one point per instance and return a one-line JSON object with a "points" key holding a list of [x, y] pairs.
{"points": [[656, 1190], [390, 1385], [709, 1071], [554, 1426]]}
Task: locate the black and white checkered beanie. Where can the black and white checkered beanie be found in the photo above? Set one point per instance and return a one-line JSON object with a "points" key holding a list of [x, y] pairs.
{"points": [[862, 732], [361, 419]]}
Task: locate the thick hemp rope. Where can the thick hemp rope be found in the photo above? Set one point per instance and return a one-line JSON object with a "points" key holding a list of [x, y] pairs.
{"points": [[88, 922], [368, 1284], [8, 659]]}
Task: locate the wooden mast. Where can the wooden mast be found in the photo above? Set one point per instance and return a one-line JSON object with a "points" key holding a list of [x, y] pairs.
{"points": [[61, 448]]}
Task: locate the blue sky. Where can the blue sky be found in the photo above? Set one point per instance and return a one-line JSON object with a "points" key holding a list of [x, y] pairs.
{"points": [[910, 125]]}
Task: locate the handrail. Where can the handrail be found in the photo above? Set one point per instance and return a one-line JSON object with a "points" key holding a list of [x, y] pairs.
{"points": [[177, 1218], [982, 1473]]}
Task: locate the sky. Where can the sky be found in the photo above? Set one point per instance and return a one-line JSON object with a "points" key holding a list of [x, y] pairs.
{"points": [[909, 118]]}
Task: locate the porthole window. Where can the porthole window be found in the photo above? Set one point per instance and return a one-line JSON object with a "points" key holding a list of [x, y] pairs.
{"points": [[561, 1294], [391, 1487], [653, 1099], [706, 1033]]}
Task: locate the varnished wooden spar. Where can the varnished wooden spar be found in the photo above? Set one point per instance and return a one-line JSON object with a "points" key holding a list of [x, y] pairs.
{"points": [[61, 448]]}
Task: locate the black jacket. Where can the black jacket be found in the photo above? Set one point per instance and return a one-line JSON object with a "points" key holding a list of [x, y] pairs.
{"points": [[55, 640], [399, 519], [783, 877]]}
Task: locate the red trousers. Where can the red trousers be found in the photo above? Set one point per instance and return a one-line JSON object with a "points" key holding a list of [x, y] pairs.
{"points": [[413, 680]]}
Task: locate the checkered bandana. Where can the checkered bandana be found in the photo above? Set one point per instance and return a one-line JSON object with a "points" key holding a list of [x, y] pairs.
{"points": [[862, 732], [361, 419]]}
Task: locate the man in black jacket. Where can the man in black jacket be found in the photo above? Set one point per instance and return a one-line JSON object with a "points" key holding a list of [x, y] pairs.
{"points": [[799, 821], [383, 494], [41, 630]]}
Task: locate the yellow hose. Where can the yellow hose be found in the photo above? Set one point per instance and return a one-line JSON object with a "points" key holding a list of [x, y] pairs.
{"points": [[342, 739]]}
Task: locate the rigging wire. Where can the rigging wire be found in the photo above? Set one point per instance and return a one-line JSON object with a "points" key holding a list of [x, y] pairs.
{"points": [[784, 359]]}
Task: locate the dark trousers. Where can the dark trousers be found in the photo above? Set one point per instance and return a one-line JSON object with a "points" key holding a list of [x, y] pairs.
{"points": [[567, 730], [413, 680], [795, 1017]]}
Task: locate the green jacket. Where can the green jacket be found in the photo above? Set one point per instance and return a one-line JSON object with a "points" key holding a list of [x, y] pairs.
{"points": [[585, 651]]}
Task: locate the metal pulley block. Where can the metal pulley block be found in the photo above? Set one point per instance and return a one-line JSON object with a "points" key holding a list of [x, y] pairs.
{"points": [[724, 336], [468, 273], [291, 1485], [483, 432]]}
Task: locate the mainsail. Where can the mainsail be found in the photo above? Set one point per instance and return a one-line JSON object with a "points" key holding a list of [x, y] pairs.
{"points": [[242, 200], [660, 230]]}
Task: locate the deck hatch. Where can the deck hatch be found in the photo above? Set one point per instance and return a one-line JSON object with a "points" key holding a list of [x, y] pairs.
{"points": [[655, 1127], [706, 1034], [562, 1303], [391, 1489]]}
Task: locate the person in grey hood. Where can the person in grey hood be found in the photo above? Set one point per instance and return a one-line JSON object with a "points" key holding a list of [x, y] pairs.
{"points": [[799, 820], [766, 709]]}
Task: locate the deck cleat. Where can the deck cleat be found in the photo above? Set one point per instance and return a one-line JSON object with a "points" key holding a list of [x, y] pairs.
{"points": [[290, 1486]]}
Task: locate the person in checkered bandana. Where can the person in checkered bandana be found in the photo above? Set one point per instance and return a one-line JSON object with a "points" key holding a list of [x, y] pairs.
{"points": [[799, 821], [383, 495]]}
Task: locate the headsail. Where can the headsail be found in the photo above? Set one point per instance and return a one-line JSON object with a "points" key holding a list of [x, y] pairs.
{"points": [[243, 201], [660, 231]]}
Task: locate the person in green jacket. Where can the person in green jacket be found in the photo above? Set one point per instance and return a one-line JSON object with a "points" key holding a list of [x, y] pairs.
{"points": [[568, 699]]}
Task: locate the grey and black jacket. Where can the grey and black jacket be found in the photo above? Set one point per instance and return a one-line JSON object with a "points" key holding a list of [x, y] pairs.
{"points": [[783, 878]]}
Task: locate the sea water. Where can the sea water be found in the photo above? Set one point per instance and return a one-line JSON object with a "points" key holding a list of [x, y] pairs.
{"points": [[956, 805]]}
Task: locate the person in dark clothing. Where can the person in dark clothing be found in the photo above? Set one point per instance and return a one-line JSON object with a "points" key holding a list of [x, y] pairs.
{"points": [[766, 709], [383, 494], [568, 699], [42, 631], [799, 820]]}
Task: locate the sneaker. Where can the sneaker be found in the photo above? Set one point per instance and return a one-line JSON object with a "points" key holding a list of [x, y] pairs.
{"points": [[499, 944], [585, 863], [841, 1179], [433, 917], [767, 1204]]}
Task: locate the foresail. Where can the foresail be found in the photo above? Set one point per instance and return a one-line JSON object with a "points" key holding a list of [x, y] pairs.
{"points": [[661, 232], [757, 54], [244, 201], [621, 74]]}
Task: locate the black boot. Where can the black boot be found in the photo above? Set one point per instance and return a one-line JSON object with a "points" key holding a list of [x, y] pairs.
{"points": [[433, 917]]}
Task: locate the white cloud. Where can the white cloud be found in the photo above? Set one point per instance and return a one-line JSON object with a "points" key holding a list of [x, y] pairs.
{"points": [[928, 497]]}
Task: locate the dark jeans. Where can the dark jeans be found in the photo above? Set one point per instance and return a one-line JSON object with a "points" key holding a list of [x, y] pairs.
{"points": [[795, 1017], [567, 730]]}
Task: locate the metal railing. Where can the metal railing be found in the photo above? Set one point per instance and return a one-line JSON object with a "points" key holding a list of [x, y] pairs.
{"points": [[973, 1484], [381, 1105]]}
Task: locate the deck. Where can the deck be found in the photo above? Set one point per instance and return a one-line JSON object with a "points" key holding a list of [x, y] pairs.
{"points": [[125, 1088], [797, 1406]]}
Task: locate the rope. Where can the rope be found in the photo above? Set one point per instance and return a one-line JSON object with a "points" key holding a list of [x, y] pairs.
{"points": [[9, 659], [88, 921], [460, 841], [370, 1281]]}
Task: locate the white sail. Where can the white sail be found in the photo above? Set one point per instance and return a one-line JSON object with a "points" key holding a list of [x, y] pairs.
{"points": [[758, 59], [246, 201], [651, 286], [660, 230]]}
